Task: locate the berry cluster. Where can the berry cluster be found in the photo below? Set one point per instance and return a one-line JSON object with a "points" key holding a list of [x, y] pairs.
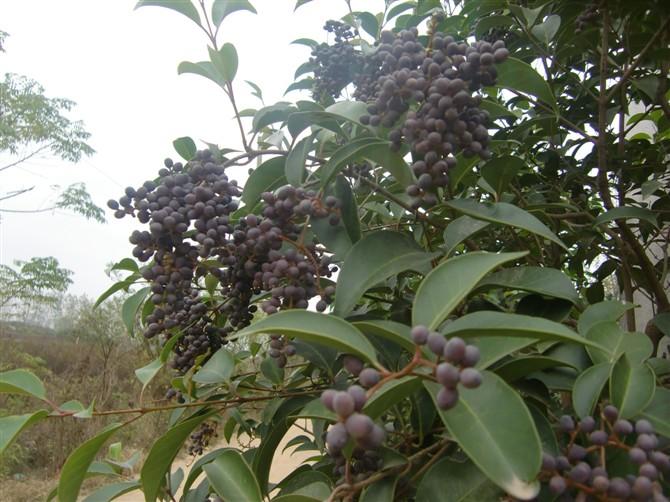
{"points": [[334, 65], [457, 367], [280, 349], [201, 438], [446, 119], [588, 17], [581, 469], [351, 423]]}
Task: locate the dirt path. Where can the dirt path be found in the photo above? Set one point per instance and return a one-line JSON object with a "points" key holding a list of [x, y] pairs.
{"points": [[283, 463]]}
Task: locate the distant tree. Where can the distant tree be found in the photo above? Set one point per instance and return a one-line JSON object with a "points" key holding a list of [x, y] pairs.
{"points": [[32, 124]]}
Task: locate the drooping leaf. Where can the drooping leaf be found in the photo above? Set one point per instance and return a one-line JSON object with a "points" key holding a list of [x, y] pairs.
{"points": [[588, 387], [494, 348], [349, 208], [225, 61], [295, 161], [218, 369], [459, 230], [632, 386], [272, 371], [184, 7], [11, 426], [117, 286], [376, 257], [389, 330], [74, 470], [326, 329], [22, 382], [495, 429], [222, 8], [204, 69], [543, 280], [627, 213], [232, 478], [547, 29], [505, 214], [131, 306], [380, 491], [450, 282], [185, 147], [525, 365], [500, 171], [465, 481], [110, 492], [516, 75], [278, 112]]}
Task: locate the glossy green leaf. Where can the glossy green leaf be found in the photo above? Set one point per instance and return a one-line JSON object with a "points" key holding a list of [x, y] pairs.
{"points": [[22, 382], [74, 470], [613, 341], [349, 208], [485, 24], [163, 452], [11, 426], [658, 411], [225, 61], [500, 171], [265, 178], [316, 409], [299, 121], [126, 264], [222, 8], [505, 214], [599, 312], [271, 371], [373, 259], [146, 373], [443, 289], [523, 366], [232, 478], [542, 280], [110, 492], [321, 328], [184, 7], [588, 387], [296, 497], [218, 369], [117, 286], [545, 429], [204, 69], [300, 3], [185, 147], [627, 213], [268, 115], [516, 75], [391, 394], [662, 322], [487, 323], [494, 348], [389, 330], [632, 386], [546, 30], [295, 161], [380, 491], [465, 482], [495, 429], [459, 230], [131, 306]]}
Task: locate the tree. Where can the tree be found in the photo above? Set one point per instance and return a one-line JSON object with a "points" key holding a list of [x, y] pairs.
{"points": [[451, 227], [32, 124]]}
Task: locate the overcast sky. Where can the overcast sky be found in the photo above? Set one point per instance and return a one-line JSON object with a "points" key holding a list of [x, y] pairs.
{"points": [[120, 66]]}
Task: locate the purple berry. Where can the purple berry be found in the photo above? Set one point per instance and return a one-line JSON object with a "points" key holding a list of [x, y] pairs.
{"points": [[587, 424], [336, 438], [447, 398], [343, 404], [557, 484], [352, 364], [471, 378], [647, 441], [643, 426], [454, 350], [420, 334], [623, 427], [619, 488], [375, 439], [436, 343], [358, 394], [566, 423], [359, 425], [447, 374], [637, 456], [327, 398], [611, 413], [576, 452], [580, 473], [471, 357], [548, 462], [648, 471], [599, 438], [562, 463], [600, 484], [660, 460], [369, 377], [642, 488]]}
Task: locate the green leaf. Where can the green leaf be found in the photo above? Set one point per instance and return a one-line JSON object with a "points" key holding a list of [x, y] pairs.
{"points": [[326, 329], [500, 171], [300, 3], [588, 387], [373, 259], [460, 229], [117, 286], [131, 306], [465, 481], [389, 330], [380, 491], [519, 76], [299, 121], [22, 382], [110, 492], [295, 160], [399, 9], [296, 497], [369, 23], [278, 112], [613, 342], [265, 178], [626, 213], [11, 427], [163, 452], [505, 214], [599, 312], [184, 7], [443, 289], [542, 280], [662, 322], [488, 323], [391, 394], [218, 369], [225, 61], [74, 470], [272, 371], [316, 409], [658, 411], [348, 209], [126, 264], [495, 429], [546, 30], [222, 8], [520, 367], [485, 24], [232, 478], [632, 386], [494, 348], [185, 147], [204, 69]]}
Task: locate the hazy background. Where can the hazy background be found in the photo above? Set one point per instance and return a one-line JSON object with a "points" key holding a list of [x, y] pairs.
{"points": [[120, 66]]}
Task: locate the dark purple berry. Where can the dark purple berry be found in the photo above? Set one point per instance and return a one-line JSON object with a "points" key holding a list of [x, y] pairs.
{"points": [[327, 398], [359, 425], [637, 455], [557, 484], [369, 377], [471, 378], [436, 343], [643, 426], [648, 471], [471, 357], [587, 424], [623, 427], [358, 394], [447, 398], [336, 438], [343, 404], [447, 374], [352, 364], [599, 438], [611, 413], [566, 423], [420, 334], [454, 350]]}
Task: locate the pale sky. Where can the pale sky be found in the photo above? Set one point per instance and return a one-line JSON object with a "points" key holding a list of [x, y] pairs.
{"points": [[120, 66]]}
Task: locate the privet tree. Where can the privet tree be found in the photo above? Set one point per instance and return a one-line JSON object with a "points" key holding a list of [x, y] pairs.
{"points": [[433, 272]]}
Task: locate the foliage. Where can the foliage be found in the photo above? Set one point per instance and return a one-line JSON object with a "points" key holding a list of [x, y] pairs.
{"points": [[462, 217]]}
